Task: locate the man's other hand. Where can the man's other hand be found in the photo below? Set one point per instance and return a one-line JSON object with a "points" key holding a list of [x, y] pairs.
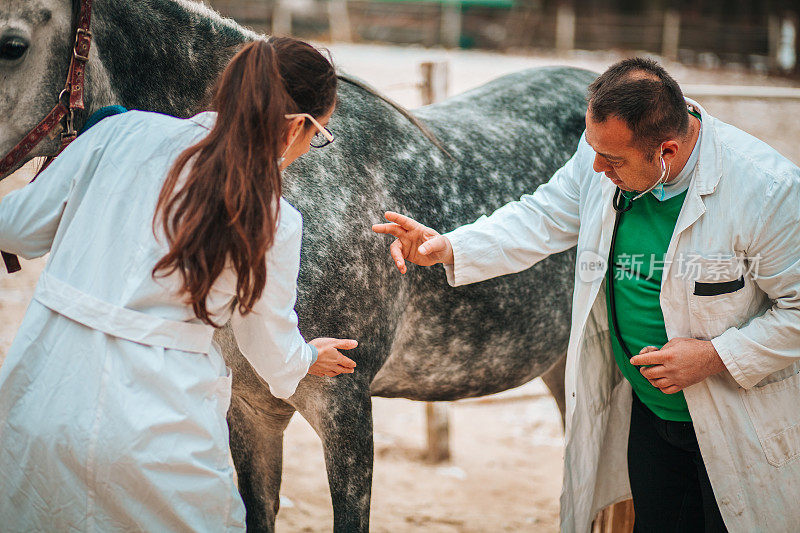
{"points": [[678, 364]]}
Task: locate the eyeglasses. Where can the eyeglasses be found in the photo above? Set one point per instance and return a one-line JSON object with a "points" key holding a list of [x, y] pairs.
{"points": [[323, 137]]}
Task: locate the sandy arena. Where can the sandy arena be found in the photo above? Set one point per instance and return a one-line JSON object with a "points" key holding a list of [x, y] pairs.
{"points": [[505, 474]]}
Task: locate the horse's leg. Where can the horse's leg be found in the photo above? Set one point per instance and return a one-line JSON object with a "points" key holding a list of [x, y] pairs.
{"points": [[342, 417], [554, 379], [256, 437]]}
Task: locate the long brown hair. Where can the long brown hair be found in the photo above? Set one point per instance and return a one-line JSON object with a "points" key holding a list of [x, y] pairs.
{"points": [[221, 198]]}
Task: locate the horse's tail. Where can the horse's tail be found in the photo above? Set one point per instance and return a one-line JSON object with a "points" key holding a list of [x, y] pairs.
{"points": [[400, 109]]}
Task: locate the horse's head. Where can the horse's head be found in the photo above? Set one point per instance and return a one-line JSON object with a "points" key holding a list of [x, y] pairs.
{"points": [[34, 56]]}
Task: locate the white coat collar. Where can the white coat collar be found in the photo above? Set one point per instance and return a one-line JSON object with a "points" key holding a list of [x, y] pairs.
{"points": [[205, 119], [705, 181], [709, 165]]}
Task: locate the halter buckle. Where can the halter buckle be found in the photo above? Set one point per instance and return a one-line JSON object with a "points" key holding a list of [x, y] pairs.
{"points": [[82, 35], [69, 133]]}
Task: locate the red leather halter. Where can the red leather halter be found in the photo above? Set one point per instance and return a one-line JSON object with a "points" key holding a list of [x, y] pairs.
{"points": [[70, 99]]}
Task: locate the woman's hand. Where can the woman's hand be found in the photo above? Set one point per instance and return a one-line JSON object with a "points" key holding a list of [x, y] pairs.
{"points": [[330, 361], [419, 244]]}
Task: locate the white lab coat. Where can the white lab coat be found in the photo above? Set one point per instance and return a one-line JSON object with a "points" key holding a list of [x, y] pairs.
{"points": [[112, 398], [743, 201]]}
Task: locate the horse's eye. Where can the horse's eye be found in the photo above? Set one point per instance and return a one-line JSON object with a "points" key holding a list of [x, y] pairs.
{"points": [[12, 48]]}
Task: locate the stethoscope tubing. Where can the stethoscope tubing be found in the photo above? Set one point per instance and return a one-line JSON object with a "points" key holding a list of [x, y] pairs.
{"points": [[621, 205]]}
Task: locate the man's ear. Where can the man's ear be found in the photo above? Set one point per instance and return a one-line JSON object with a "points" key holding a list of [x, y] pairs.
{"points": [[669, 149]]}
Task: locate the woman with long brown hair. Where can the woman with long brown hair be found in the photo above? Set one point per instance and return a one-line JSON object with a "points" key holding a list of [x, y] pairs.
{"points": [[112, 396]]}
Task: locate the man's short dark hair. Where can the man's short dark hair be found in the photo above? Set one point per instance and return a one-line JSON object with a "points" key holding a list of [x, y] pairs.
{"points": [[639, 92]]}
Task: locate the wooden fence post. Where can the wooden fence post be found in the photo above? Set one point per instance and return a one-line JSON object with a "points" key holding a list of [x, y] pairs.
{"points": [[773, 38], [451, 24], [434, 88], [339, 21], [617, 518], [787, 45], [565, 27], [281, 18], [437, 420], [671, 34], [435, 76]]}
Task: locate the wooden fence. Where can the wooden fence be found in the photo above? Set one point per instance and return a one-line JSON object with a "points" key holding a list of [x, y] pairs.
{"points": [[689, 36]]}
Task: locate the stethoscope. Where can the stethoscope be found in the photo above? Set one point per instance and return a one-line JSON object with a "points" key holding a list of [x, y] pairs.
{"points": [[623, 204]]}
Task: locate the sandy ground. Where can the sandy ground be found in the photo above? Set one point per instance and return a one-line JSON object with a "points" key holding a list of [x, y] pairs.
{"points": [[505, 474]]}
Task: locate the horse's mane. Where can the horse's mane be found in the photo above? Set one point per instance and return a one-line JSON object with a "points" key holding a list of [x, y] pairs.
{"points": [[400, 109]]}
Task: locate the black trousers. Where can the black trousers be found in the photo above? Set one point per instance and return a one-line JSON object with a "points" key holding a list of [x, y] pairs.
{"points": [[671, 490]]}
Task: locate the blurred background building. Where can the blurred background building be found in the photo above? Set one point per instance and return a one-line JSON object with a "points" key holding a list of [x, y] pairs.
{"points": [[753, 35]]}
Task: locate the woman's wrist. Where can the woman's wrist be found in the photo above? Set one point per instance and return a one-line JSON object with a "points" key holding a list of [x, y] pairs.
{"points": [[314, 353]]}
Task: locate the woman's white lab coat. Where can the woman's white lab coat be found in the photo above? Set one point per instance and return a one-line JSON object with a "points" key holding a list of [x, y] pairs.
{"points": [[112, 399], [741, 215]]}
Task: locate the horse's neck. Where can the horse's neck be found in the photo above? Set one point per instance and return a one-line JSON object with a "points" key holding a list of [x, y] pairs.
{"points": [[161, 55]]}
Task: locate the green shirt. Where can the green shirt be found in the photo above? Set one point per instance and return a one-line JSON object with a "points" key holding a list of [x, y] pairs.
{"points": [[642, 239]]}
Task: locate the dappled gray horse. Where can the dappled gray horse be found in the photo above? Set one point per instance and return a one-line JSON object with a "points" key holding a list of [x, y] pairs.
{"points": [[419, 338]]}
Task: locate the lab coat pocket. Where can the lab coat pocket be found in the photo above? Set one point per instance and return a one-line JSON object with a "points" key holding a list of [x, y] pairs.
{"points": [[599, 370], [774, 413], [719, 295]]}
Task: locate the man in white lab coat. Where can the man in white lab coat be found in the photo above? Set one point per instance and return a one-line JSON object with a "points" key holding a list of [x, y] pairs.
{"points": [[682, 369]]}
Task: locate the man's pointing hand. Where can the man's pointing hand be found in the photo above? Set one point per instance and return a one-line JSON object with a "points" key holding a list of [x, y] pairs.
{"points": [[416, 243]]}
